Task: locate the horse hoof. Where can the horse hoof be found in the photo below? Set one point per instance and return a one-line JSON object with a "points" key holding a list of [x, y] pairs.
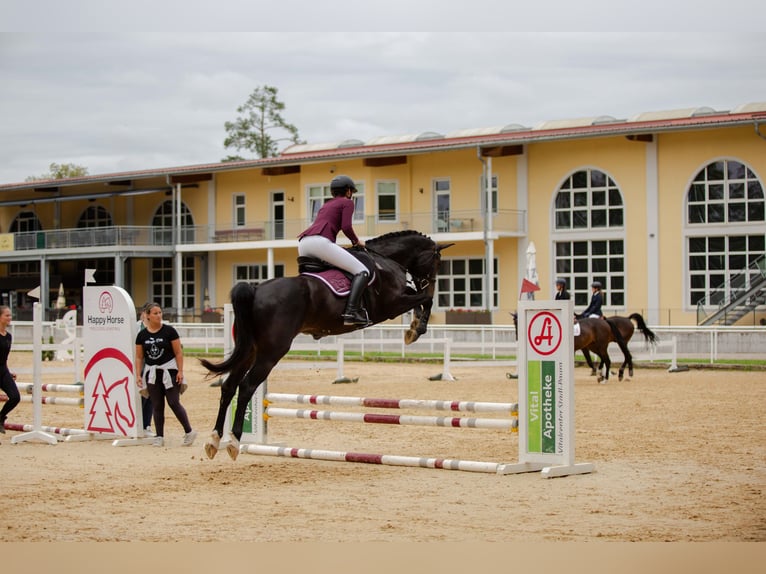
{"points": [[211, 447], [410, 336], [211, 450], [233, 448]]}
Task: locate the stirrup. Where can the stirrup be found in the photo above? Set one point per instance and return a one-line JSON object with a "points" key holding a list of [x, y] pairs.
{"points": [[357, 317]]}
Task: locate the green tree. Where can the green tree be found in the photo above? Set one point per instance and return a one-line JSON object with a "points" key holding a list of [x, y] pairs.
{"points": [[259, 117], [61, 171]]}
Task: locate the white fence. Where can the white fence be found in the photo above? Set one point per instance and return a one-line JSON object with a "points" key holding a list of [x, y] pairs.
{"points": [[491, 341]]}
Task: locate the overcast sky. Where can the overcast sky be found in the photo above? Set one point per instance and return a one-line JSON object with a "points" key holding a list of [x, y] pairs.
{"points": [[105, 96]]}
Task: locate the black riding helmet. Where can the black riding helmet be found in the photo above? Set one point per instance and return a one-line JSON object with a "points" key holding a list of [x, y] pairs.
{"points": [[596, 284], [340, 183], [561, 282]]}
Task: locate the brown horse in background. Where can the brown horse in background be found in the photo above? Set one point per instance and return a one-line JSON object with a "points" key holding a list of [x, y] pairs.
{"points": [[595, 336], [626, 329]]}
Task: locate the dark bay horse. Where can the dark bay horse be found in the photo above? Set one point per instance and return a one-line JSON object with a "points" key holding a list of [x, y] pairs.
{"points": [[595, 336], [626, 327], [268, 317]]}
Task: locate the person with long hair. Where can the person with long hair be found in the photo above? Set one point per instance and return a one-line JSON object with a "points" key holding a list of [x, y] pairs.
{"points": [[7, 378], [160, 369]]}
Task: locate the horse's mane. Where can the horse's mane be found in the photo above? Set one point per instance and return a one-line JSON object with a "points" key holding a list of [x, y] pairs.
{"points": [[396, 235]]}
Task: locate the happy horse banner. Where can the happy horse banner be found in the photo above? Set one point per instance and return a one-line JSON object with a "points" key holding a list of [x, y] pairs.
{"points": [[112, 403], [546, 387]]}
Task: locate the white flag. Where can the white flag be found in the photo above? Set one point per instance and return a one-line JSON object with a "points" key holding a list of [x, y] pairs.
{"points": [[90, 276]]}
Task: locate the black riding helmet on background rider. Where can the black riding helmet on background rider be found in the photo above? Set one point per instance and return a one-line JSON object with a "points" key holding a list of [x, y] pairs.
{"points": [[340, 184]]}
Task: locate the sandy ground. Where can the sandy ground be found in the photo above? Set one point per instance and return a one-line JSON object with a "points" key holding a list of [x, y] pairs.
{"points": [[678, 457]]}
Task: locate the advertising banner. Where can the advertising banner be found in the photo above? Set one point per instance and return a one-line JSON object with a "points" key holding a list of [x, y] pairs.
{"points": [[112, 403]]}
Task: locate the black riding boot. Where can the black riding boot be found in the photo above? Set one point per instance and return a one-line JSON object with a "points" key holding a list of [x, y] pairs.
{"points": [[354, 313]]}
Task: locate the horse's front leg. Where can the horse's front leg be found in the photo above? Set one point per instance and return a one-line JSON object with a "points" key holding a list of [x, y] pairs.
{"points": [[607, 363], [419, 324], [589, 362]]}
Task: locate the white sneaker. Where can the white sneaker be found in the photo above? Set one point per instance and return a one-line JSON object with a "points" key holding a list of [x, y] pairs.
{"points": [[158, 441], [148, 432], [189, 438]]}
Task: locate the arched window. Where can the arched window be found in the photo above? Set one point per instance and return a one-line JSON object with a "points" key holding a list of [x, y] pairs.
{"points": [[725, 227], [163, 276], [25, 221], [95, 216], [589, 242]]}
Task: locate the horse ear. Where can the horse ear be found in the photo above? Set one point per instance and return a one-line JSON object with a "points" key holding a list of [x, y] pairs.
{"points": [[440, 246]]}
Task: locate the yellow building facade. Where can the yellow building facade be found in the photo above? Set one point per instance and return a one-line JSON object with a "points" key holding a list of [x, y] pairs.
{"points": [[665, 209]]}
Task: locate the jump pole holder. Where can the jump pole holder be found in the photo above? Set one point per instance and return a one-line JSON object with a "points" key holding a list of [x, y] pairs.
{"points": [[546, 390], [37, 433]]}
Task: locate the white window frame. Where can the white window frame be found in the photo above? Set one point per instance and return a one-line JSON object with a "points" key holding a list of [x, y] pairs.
{"points": [[239, 207], [380, 194], [579, 270], [704, 279], [255, 273], [471, 295]]}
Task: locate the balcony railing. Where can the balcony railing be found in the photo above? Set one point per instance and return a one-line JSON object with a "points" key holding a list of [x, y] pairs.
{"points": [[113, 236], [509, 221], [512, 222]]}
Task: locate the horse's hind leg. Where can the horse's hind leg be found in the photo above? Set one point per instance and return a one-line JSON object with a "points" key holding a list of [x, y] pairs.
{"points": [[250, 384], [228, 389]]}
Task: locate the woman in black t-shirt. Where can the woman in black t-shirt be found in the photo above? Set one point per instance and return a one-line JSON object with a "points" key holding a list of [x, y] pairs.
{"points": [[160, 369], [7, 378]]}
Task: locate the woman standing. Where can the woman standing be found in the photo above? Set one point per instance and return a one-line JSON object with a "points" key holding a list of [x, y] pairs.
{"points": [[146, 402], [7, 378], [160, 368]]}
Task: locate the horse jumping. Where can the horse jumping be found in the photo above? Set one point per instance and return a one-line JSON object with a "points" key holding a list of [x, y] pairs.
{"points": [[268, 317]]}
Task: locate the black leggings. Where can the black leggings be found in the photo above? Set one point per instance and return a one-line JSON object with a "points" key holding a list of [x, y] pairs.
{"points": [[158, 394], [8, 386]]}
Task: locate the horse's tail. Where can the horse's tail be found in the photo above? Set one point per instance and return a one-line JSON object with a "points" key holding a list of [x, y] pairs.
{"points": [[649, 335], [243, 302]]}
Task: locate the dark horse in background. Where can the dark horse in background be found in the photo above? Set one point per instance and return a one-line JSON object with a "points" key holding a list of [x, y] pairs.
{"points": [[595, 336], [626, 329], [268, 317]]}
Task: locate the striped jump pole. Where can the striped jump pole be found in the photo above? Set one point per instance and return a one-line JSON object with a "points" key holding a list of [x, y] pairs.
{"points": [[56, 430], [383, 459], [379, 403], [71, 401], [405, 420], [50, 388], [66, 434]]}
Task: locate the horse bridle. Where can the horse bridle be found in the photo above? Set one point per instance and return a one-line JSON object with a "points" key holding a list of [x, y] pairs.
{"points": [[421, 283]]}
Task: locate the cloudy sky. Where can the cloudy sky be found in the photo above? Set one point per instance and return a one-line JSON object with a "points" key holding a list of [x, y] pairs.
{"points": [[89, 87]]}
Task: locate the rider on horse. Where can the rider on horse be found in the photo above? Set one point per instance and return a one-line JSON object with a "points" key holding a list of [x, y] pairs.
{"points": [[319, 241], [596, 300]]}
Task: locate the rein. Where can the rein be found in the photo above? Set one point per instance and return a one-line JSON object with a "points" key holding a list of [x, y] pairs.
{"points": [[420, 282]]}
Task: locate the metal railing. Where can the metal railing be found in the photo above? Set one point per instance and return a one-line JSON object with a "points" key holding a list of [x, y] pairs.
{"points": [[509, 221], [733, 292]]}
